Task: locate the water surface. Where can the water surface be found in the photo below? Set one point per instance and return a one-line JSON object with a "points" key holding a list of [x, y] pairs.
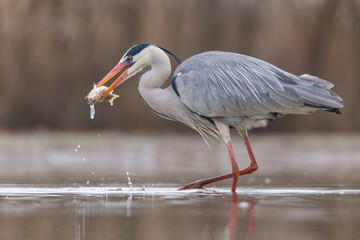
{"points": [[124, 186]]}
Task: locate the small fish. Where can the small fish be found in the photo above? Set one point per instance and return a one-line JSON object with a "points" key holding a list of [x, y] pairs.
{"points": [[97, 95], [110, 98]]}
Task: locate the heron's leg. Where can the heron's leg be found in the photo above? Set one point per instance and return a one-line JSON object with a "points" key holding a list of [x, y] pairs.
{"points": [[253, 164], [225, 134], [202, 182], [252, 168], [235, 167]]}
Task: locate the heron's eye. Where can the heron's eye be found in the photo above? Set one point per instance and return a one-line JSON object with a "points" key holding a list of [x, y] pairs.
{"points": [[129, 59]]}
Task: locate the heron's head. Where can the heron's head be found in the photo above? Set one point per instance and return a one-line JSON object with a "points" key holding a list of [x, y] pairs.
{"points": [[134, 61]]}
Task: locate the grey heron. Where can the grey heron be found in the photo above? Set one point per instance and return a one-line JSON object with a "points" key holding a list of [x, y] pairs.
{"points": [[214, 91]]}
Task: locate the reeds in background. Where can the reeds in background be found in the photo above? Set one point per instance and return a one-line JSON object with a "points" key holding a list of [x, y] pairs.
{"points": [[52, 51]]}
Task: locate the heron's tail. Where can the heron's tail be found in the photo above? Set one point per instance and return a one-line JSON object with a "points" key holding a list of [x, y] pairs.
{"points": [[316, 93]]}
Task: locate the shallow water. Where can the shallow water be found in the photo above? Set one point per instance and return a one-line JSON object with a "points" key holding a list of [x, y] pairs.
{"points": [[53, 212], [122, 186]]}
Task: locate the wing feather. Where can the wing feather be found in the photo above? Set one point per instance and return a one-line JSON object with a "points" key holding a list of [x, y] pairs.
{"points": [[223, 84]]}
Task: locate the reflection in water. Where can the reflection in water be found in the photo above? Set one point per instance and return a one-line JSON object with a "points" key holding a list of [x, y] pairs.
{"points": [[250, 235], [91, 210], [164, 213], [80, 214], [232, 225], [128, 206], [234, 219]]}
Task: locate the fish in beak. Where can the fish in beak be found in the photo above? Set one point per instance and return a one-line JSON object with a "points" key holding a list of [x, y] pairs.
{"points": [[101, 93], [97, 94]]}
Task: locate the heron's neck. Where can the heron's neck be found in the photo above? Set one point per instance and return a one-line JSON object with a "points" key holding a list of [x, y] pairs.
{"points": [[156, 75], [157, 99]]}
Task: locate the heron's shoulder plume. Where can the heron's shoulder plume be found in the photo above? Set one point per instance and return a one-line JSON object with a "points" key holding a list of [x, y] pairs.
{"points": [[136, 49], [173, 55]]}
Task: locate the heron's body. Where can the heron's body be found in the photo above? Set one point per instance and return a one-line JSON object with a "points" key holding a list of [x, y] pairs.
{"points": [[213, 91], [239, 90]]}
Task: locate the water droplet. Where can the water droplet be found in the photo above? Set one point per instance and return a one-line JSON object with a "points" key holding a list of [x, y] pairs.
{"points": [[93, 173], [74, 183], [92, 110], [76, 150], [244, 204], [87, 182], [268, 180], [83, 160], [78, 146], [102, 179]]}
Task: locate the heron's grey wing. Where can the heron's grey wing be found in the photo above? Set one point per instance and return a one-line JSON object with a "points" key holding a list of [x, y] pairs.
{"points": [[223, 84]]}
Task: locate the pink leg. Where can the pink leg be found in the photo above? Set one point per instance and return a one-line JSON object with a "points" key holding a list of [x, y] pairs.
{"points": [[252, 168], [235, 168], [253, 164]]}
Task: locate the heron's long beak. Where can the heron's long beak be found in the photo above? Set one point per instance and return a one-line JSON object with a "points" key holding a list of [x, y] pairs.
{"points": [[118, 68]]}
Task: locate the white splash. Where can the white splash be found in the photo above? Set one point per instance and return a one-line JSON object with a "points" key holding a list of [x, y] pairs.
{"points": [[129, 180]]}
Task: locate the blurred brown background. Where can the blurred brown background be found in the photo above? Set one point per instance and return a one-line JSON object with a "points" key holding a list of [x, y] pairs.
{"points": [[52, 51]]}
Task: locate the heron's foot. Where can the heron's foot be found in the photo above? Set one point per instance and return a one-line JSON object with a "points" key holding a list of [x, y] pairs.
{"points": [[194, 185]]}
